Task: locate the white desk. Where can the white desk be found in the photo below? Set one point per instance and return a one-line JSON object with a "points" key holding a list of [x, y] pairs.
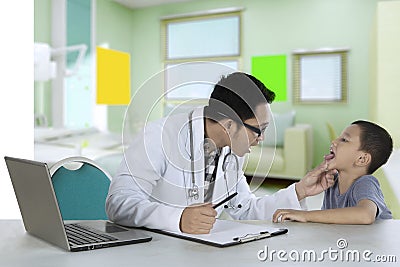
{"points": [[17, 248]]}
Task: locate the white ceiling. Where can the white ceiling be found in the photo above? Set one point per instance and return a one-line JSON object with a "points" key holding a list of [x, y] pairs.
{"points": [[146, 3]]}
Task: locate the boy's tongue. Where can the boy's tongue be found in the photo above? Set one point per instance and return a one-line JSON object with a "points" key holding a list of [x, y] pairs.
{"points": [[329, 156]]}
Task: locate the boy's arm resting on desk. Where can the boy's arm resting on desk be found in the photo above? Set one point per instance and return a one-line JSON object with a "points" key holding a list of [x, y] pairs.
{"points": [[363, 213]]}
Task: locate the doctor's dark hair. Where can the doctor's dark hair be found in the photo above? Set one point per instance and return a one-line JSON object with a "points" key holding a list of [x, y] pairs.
{"points": [[376, 141], [237, 95]]}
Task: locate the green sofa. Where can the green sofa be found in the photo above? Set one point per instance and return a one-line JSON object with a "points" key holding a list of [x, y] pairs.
{"points": [[290, 160]]}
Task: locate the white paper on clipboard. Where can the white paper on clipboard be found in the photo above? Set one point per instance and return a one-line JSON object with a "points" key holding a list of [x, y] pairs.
{"points": [[227, 233]]}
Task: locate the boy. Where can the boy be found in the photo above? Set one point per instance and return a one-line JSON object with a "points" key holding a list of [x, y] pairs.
{"points": [[355, 197]]}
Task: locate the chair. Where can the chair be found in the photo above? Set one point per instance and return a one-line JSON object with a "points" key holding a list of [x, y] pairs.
{"points": [[81, 188]]}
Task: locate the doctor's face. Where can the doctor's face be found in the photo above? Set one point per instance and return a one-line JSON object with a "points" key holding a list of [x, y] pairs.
{"points": [[251, 131]]}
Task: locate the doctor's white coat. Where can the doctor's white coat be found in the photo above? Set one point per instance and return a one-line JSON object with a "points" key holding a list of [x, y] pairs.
{"points": [[151, 186]]}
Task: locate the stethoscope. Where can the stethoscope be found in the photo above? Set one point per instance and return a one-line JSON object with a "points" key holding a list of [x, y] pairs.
{"points": [[193, 191]]}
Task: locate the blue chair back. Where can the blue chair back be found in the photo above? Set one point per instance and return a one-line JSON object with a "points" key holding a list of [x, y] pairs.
{"points": [[81, 188]]}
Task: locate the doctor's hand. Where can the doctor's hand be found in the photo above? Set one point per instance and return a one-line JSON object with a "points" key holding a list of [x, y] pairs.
{"points": [[198, 219], [316, 181]]}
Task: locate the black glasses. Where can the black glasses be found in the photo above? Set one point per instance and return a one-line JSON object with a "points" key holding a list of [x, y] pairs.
{"points": [[258, 131], [252, 128]]}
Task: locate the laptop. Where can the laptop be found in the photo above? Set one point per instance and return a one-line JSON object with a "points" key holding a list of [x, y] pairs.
{"points": [[42, 218]]}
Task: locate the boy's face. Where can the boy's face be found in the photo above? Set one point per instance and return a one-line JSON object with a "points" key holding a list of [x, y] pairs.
{"points": [[345, 149]]}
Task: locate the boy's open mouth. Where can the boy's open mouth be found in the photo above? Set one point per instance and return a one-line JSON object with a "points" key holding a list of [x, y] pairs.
{"points": [[330, 156]]}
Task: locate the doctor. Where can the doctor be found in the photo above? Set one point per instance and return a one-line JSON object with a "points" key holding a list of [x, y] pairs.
{"points": [[177, 166]]}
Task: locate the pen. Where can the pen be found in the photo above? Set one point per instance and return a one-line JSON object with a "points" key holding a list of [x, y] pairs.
{"points": [[225, 200]]}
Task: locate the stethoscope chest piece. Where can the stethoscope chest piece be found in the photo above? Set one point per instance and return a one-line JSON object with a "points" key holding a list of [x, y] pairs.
{"points": [[193, 192]]}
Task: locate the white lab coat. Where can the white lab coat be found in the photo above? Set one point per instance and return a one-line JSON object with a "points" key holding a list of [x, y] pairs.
{"points": [[151, 186]]}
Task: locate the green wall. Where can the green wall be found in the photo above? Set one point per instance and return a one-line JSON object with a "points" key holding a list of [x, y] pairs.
{"points": [[387, 77], [278, 27], [114, 29], [42, 34], [269, 27]]}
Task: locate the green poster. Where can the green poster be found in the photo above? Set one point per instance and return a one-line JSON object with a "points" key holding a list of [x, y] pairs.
{"points": [[271, 70]]}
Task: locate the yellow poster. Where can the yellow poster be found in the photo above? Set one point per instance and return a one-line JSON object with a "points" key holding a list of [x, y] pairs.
{"points": [[113, 77]]}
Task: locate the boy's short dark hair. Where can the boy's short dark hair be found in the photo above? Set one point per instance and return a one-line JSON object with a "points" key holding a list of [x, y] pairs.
{"points": [[376, 141], [237, 95]]}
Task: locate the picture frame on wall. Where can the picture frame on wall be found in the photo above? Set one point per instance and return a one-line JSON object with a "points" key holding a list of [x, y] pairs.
{"points": [[320, 76]]}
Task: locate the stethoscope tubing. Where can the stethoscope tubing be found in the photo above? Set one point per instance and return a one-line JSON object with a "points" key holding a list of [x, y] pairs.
{"points": [[193, 191]]}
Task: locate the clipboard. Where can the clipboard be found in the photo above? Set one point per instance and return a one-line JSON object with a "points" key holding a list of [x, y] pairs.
{"points": [[227, 233]]}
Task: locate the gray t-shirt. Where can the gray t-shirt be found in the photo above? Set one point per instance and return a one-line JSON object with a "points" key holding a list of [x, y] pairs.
{"points": [[365, 187]]}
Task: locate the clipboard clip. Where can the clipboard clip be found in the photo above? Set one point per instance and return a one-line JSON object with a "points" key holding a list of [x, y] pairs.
{"points": [[252, 237], [261, 235]]}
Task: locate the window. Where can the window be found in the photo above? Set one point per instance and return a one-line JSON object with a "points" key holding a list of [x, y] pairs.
{"points": [[320, 76], [78, 88], [203, 37], [198, 50]]}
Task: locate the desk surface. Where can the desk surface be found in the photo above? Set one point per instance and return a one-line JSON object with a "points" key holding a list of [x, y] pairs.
{"points": [[382, 239]]}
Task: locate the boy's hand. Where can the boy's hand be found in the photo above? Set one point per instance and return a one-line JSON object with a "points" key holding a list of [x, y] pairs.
{"points": [[316, 181], [282, 215]]}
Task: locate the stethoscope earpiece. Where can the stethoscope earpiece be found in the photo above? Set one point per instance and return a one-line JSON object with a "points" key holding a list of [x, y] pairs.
{"points": [[239, 206]]}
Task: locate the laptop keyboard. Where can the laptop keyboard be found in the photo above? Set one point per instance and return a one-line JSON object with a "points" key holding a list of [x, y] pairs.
{"points": [[81, 235]]}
